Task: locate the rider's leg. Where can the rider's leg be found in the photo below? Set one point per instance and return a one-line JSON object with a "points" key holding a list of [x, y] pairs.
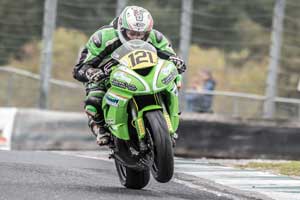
{"points": [[93, 108]]}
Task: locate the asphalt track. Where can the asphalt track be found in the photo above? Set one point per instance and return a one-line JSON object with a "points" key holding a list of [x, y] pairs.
{"points": [[57, 175]]}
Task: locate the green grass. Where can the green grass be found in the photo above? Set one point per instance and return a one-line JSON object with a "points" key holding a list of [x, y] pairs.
{"points": [[291, 168]]}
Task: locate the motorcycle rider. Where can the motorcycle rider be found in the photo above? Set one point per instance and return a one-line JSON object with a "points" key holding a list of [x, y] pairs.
{"points": [[133, 23]]}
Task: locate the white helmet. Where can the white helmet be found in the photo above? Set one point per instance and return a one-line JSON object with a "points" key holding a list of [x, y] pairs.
{"points": [[134, 23]]}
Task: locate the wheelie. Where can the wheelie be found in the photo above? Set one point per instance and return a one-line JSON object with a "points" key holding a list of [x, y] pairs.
{"points": [[132, 77], [141, 111]]}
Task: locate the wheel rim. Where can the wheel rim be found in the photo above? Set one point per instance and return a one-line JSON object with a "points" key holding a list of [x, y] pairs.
{"points": [[154, 167], [122, 170]]}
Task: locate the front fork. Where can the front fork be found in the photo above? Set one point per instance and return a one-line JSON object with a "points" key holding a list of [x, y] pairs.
{"points": [[166, 115], [137, 117], [139, 125]]}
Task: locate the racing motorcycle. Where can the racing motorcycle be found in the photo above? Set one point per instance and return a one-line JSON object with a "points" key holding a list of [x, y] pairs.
{"points": [[141, 111]]}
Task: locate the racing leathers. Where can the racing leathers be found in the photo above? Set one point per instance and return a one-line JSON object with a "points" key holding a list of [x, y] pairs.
{"points": [[94, 66]]}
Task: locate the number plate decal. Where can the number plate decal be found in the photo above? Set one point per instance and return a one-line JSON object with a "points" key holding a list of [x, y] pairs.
{"points": [[139, 59]]}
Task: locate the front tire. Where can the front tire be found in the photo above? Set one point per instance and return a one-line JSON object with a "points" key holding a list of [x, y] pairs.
{"points": [[132, 178], [163, 167]]}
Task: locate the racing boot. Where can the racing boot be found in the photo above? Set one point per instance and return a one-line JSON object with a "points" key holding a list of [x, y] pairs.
{"points": [[100, 132]]}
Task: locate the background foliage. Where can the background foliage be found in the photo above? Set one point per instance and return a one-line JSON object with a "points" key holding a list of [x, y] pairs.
{"points": [[231, 37]]}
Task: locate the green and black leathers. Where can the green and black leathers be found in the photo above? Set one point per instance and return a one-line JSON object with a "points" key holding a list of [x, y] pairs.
{"points": [[97, 51]]}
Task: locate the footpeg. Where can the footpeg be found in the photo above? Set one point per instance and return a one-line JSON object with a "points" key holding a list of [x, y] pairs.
{"points": [[133, 151], [143, 146]]}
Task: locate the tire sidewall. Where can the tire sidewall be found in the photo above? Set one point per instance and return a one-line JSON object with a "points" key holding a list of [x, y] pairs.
{"points": [[162, 146]]}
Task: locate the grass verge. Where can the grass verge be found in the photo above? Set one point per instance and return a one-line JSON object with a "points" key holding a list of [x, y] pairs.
{"points": [[291, 168]]}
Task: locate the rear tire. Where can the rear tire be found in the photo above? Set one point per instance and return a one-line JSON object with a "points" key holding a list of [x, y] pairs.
{"points": [[131, 178], [163, 167]]}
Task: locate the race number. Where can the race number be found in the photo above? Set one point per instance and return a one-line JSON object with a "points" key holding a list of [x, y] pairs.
{"points": [[142, 58]]}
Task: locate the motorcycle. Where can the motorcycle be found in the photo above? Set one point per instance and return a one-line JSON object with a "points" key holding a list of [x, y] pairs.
{"points": [[141, 111]]}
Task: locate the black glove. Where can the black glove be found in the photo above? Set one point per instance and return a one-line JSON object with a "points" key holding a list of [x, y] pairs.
{"points": [[179, 63], [107, 67], [94, 75]]}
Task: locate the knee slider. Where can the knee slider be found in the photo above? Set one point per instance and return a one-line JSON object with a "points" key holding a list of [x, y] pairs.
{"points": [[93, 105]]}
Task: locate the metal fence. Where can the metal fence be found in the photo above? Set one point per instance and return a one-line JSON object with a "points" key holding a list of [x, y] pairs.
{"points": [[20, 88], [243, 105], [231, 49]]}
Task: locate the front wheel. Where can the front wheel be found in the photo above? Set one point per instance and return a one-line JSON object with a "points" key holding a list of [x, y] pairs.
{"points": [[163, 165]]}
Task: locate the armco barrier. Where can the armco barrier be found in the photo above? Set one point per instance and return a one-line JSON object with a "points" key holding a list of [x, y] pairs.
{"points": [[200, 135], [214, 136], [51, 130]]}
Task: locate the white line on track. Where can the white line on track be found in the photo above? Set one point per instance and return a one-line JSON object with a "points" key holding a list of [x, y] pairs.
{"points": [[276, 187], [198, 187]]}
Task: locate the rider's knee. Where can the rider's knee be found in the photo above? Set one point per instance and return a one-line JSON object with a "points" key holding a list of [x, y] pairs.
{"points": [[93, 105]]}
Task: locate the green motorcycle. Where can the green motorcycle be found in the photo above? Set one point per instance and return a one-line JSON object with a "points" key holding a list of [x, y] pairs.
{"points": [[141, 111]]}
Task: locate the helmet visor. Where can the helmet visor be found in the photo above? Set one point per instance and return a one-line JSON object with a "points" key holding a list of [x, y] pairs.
{"points": [[133, 35]]}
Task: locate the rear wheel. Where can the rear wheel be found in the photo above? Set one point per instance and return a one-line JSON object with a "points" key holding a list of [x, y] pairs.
{"points": [[163, 165], [132, 178]]}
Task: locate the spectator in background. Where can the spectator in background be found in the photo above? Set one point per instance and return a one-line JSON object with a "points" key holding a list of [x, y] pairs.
{"points": [[196, 99], [207, 83], [192, 96]]}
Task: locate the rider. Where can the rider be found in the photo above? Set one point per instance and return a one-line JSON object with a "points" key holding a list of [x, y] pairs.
{"points": [[133, 23]]}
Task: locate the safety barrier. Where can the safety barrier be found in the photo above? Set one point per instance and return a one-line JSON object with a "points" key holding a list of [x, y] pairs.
{"points": [[200, 135], [205, 135]]}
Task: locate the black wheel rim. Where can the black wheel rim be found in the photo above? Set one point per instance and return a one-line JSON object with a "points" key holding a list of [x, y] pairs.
{"points": [[122, 170]]}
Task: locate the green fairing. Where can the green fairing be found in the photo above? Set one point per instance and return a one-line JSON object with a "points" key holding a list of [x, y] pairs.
{"points": [[147, 108], [173, 106], [140, 117], [116, 116], [125, 84]]}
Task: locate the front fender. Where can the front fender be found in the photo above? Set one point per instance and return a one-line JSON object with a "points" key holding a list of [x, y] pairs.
{"points": [[139, 122], [148, 108]]}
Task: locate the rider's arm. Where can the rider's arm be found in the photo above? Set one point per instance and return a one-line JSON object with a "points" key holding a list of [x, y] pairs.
{"points": [[88, 58], [100, 45], [78, 70], [165, 50], [162, 45]]}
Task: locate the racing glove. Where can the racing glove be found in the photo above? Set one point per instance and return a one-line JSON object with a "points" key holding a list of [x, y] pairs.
{"points": [[179, 63], [98, 74], [94, 75], [107, 67]]}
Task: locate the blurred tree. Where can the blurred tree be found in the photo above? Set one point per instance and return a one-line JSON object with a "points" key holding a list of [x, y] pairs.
{"points": [[67, 43], [290, 56], [224, 24], [20, 21], [240, 29], [86, 16]]}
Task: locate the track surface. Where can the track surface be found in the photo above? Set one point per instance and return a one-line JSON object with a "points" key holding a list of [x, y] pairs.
{"points": [[70, 175], [46, 175]]}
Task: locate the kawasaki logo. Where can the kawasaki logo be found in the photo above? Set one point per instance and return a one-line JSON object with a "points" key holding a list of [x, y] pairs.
{"points": [[169, 78], [123, 85]]}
